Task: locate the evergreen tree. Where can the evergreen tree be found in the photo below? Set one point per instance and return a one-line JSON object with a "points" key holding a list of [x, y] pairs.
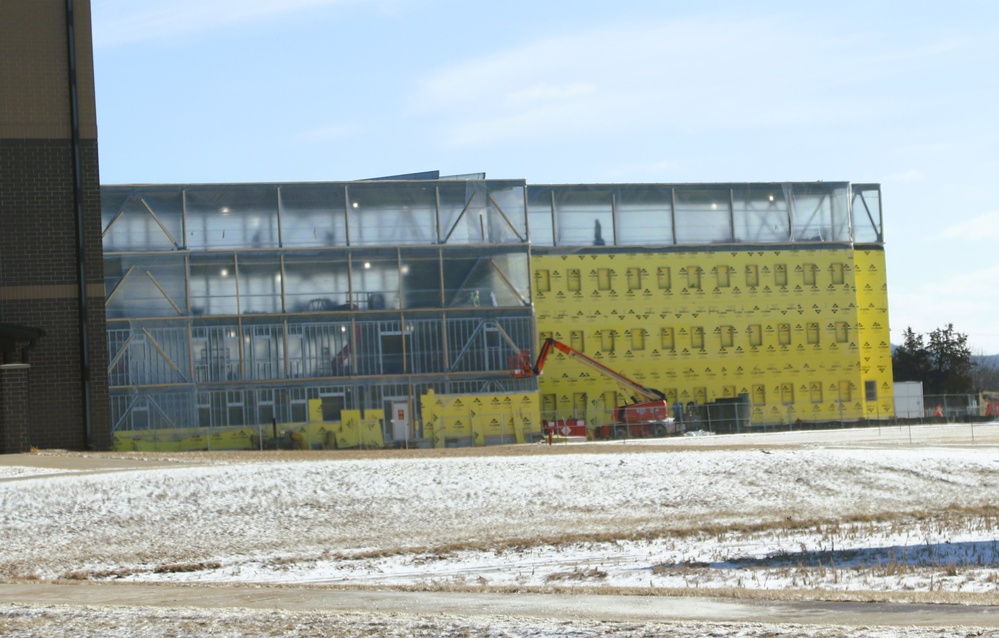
{"points": [[910, 361], [950, 361], [944, 364]]}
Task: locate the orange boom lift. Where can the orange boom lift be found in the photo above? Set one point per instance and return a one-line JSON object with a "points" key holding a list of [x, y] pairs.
{"points": [[647, 415]]}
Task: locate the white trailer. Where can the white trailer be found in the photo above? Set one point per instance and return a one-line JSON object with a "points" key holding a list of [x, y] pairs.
{"points": [[909, 400]]}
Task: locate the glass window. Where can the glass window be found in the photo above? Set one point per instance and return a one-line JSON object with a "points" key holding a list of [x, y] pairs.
{"points": [[147, 220], [145, 286], [259, 285], [870, 390], [232, 217], [374, 280], [477, 212], [479, 280], [213, 285], [539, 206], [645, 215], [760, 213], [421, 279], [317, 282], [381, 214], [584, 217], [820, 212], [703, 215], [313, 215], [867, 224]]}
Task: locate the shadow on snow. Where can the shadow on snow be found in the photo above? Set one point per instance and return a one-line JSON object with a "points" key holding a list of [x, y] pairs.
{"points": [[966, 554]]}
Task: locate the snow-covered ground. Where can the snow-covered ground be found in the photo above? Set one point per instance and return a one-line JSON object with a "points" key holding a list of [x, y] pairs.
{"points": [[808, 511]]}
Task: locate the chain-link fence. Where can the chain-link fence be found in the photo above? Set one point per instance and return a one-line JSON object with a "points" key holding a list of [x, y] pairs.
{"points": [[738, 416]]}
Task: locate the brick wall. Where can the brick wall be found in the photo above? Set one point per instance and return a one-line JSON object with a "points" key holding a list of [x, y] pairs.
{"points": [[39, 276], [39, 287], [14, 407]]}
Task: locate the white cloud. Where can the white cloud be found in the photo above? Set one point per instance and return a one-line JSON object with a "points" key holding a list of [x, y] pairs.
{"points": [[696, 73], [117, 22], [984, 227]]}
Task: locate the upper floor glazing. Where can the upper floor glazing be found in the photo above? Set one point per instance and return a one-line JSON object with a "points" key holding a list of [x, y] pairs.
{"points": [[476, 212], [699, 214], [320, 215]]}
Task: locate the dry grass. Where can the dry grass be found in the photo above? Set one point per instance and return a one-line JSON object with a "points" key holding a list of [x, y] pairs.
{"points": [[577, 574], [813, 573], [954, 518]]}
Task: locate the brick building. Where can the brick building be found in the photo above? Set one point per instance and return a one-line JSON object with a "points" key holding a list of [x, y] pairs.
{"points": [[51, 268]]}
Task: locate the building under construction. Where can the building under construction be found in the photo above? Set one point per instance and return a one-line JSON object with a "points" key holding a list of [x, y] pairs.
{"points": [[400, 305]]}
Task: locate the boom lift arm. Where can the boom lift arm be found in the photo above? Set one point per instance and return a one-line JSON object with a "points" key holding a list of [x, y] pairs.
{"points": [[648, 415], [526, 369]]}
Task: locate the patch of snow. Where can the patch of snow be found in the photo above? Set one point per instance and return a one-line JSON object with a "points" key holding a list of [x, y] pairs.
{"points": [[817, 516]]}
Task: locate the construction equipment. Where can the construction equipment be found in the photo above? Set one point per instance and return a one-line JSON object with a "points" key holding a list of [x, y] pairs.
{"points": [[647, 415], [989, 403]]}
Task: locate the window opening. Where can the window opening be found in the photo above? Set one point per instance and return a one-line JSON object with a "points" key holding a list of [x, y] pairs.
{"points": [[697, 338], [663, 278], [573, 281], [780, 274], [666, 339]]}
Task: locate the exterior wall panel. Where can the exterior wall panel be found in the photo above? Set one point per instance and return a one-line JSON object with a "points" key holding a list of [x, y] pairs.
{"points": [[42, 164]]}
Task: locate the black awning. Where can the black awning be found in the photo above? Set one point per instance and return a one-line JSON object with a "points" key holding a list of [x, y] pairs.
{"points": [[14, 337]]}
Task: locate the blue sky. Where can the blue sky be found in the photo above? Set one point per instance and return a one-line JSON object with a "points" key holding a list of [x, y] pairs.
{"points": [[898, 93]]}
